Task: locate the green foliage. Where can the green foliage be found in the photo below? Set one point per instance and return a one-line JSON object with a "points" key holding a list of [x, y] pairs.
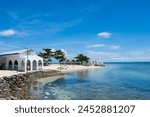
{"points": [[82, 58], [59, 55], [47, 55]]}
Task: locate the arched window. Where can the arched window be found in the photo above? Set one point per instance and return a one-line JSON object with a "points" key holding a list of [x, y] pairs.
{"points": [[28, 65], [34, 65], [16, 65], [10, 65]]}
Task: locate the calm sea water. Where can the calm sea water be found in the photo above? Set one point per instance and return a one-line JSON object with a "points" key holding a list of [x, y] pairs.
{"points": [[115, 81]]}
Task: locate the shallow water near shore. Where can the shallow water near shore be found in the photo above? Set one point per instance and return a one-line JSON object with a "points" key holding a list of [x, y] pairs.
{"points": [[123, 81]]}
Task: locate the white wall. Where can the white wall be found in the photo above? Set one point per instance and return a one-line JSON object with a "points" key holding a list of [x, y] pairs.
{"points": [[24, 58], [12, 58], [37, 59]]}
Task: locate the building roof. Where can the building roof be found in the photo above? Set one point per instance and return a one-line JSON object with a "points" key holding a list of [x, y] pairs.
{"points": [[15, 52]]}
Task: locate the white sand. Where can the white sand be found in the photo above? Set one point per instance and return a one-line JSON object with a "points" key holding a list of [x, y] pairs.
{"points": [[68, 68], [63, 69], [8, 73]]}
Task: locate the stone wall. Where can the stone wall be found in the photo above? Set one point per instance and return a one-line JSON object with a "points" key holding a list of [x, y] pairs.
{"points": [[16, 87]]}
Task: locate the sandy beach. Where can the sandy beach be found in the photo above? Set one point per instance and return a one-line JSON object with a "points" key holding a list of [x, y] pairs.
{"points": [[68, 68], [7, 73], [63, 69]]}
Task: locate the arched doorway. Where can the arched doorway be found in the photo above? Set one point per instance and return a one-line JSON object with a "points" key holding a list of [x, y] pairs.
{"points": [[10, 65], [34, 65], [16, 65], [28, 65]]}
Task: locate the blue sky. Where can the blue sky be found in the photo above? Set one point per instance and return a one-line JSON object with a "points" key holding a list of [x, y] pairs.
{"points": [[112, 30]]}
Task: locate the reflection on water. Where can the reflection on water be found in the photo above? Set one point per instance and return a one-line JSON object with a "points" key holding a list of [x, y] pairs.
{"points": [[37, 90], [83, 74], [115, 81]]}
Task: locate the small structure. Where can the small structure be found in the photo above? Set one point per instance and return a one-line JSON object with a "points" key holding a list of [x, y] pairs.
{"points": [[95, 61], [21, 60]]}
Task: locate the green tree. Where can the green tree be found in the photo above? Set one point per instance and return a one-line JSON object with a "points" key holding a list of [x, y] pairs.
{"points": [[86, 59], [82, 58], [47, 55], [60, 56]]}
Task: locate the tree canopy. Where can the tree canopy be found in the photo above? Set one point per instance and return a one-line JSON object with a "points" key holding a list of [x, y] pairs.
{"points": [[60, 56], [82, 58], [47, 55]]}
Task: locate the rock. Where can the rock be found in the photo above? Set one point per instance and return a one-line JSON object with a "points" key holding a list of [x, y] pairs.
{"points": [[16, 87], [1, 80]]}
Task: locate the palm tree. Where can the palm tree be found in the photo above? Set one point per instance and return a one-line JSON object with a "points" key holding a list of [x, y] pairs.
{"points": [[60, 56], [46, 55], [82, 58]]}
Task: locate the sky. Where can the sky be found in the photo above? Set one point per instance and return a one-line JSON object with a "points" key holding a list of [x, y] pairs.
{"points": [[111, 30]]}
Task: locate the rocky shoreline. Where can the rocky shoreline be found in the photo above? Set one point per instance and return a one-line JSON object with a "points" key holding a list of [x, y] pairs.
{"points": [[16, 87]]}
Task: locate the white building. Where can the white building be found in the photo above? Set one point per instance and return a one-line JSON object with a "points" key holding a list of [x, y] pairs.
{"points": [[21, 60]]}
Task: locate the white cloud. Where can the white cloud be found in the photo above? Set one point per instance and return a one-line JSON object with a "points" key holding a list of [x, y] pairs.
{"points": [[96, 53], [11, 32], [62, 50], [8, 46], [114, 47], [104, 34], [7, 33], [55, 28], [136, 53], [96, 45], [13, 15], [119, 56]]}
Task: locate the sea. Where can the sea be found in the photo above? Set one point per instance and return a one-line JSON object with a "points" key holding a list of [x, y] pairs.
{"points": [[115, 81]]}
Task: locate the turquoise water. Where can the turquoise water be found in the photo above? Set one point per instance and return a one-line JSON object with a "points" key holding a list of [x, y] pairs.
{"points": [[118, 81]]}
